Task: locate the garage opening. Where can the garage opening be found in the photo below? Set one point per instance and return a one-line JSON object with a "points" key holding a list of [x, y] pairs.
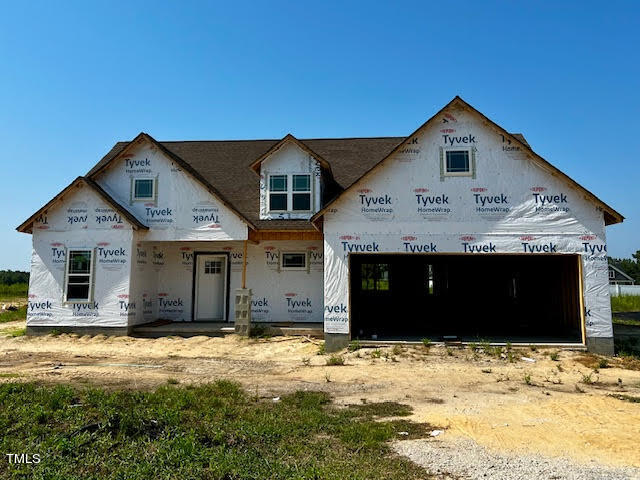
{"points": [[500, 298]]}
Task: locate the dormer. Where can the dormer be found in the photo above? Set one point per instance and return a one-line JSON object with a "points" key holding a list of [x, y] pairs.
{"points": [[291, 181]]}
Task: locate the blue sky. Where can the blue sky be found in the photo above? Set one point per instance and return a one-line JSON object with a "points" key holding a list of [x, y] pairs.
{"points": [[78, 76]]}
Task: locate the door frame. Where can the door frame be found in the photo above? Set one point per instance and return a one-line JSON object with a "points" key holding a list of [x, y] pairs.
{"points": [[227, 282]]}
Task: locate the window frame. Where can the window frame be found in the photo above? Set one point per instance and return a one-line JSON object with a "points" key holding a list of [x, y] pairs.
{"points": [[290, 192], [294, 269], [377, 278], [468, 173], [284, 192], [90, 275], [154, 191], [301, 192], [213, 267]]}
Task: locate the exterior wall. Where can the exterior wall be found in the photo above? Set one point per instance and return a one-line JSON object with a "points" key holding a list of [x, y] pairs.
{"points": [[162, 280], [511, 205], [82, 220], [290, 159], [183, 210]]}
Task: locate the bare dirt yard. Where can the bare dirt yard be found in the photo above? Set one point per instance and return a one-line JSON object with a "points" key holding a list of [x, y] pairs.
{"points": [[550, 403]]}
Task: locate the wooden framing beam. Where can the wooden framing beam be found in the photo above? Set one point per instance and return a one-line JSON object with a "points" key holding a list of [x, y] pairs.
{"points": [[261, 235], [244, 265]]}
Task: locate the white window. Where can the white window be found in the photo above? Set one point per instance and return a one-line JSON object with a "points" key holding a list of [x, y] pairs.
{"points": [[290, 193], [612, 273], [301, 200], [212, 266], [458, 162], [278, 193], [144, 189], [79, 276], [293, 261]]}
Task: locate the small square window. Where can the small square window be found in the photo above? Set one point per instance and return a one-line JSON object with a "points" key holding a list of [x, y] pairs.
{"points": [[278, 183], [457, 161], [375, 277], [302, 201], [143, 189], [212, 266], [294, 261], [301, 183], [277, 201]]}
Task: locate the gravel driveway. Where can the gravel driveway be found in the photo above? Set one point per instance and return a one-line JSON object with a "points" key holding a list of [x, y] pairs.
{"points": [[465, 459]]}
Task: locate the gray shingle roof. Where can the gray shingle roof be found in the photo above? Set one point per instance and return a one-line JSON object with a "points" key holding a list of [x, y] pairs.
{"points": [[225, 165]]}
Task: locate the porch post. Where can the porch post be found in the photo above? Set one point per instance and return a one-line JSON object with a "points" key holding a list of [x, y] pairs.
{"points": [[244, 265], [243, 301]]}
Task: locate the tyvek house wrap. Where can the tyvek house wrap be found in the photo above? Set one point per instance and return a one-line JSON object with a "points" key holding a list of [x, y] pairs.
{"points": [[82, 221], [183, 209], [510, 204], [162, 280]]}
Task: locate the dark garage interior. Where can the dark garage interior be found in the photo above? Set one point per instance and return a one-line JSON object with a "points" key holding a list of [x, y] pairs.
{"points": [[500, 298]]}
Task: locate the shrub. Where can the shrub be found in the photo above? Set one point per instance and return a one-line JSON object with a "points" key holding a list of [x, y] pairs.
{"points": [[335, 360]]}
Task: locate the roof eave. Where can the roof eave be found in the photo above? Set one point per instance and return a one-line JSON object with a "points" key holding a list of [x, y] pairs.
{"points": [[27, 225], [611, 216], [185, 165]]}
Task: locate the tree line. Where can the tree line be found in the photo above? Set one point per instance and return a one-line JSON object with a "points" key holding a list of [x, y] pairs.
{"points": [[10, 277]]}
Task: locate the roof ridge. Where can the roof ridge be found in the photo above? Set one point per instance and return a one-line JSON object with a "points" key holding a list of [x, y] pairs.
{"points": [[392, 137]]}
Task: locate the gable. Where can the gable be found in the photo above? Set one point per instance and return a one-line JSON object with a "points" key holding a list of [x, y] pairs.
{"points": [[290, 158], [93, 208], [510, 190], [226, 164], [80, 208], [182, 208], [514, 143]]}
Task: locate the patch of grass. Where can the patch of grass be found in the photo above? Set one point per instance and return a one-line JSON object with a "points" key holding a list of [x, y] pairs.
{"points": [[9, 375], [427, 343], [626, 398], [625, 303], [625, 360], [588, 379], [14, 315], [354, 346], [173, 381], [554, 356], [383, 409], [450, 352], [533, 348], [14, 292], [626, 321], [377, 353], [397, 350], [258, 331], [321, 349], [214, 431], [527, 378], [335, 361], [16, 332]]}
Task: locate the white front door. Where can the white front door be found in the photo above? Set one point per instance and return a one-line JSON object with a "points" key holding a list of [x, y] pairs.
{"points": [[210, 291]]}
